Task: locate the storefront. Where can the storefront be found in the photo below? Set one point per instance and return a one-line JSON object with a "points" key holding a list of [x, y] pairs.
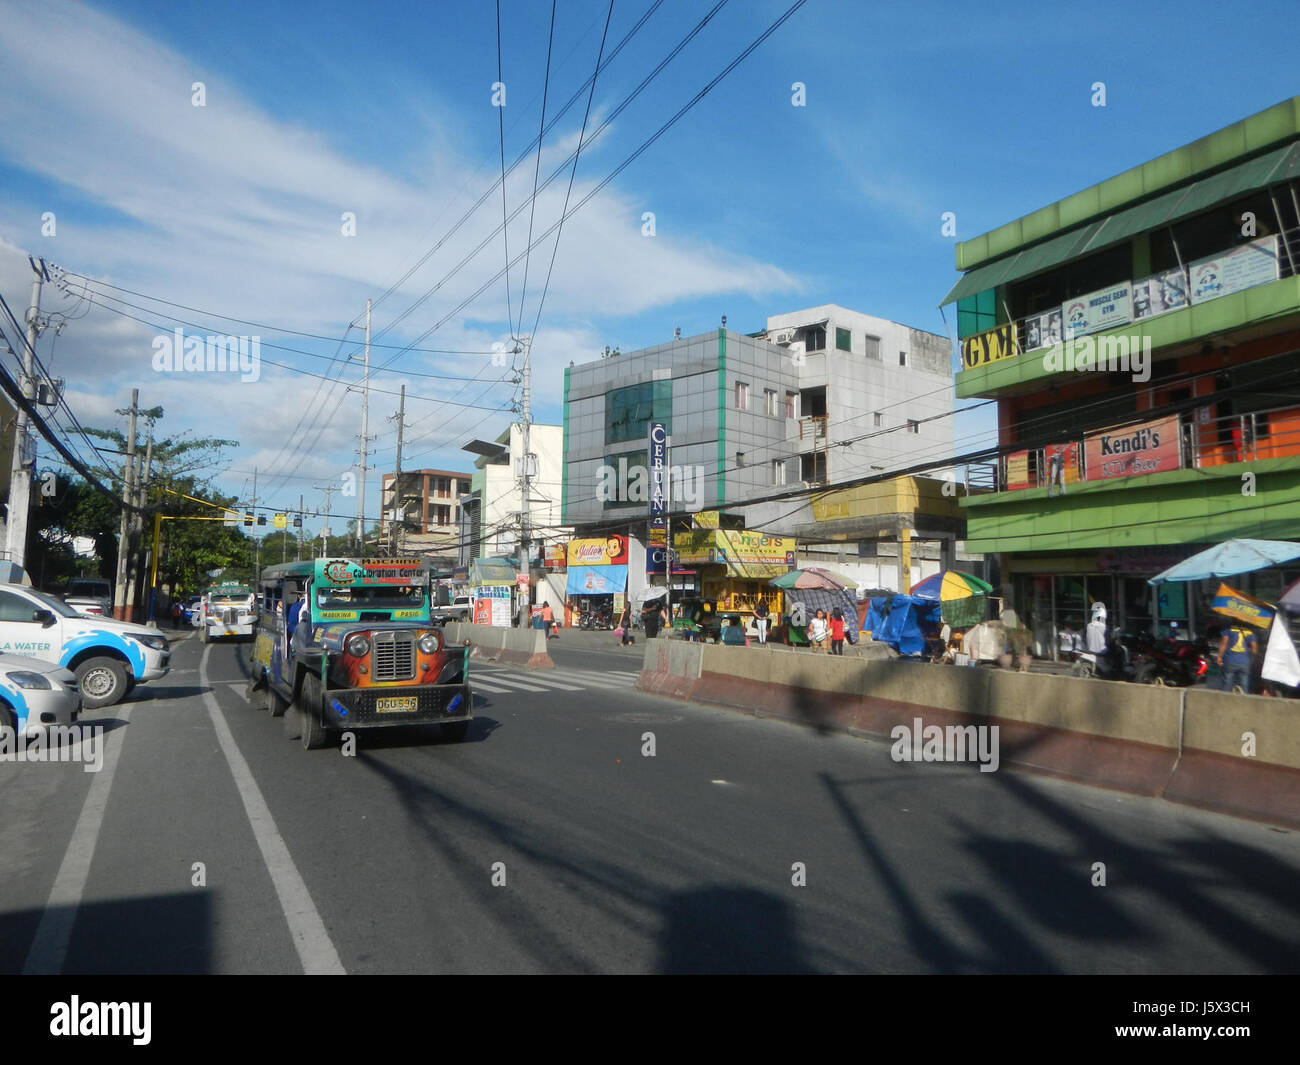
{"points": [[1052, 592], [597, 577], [735, 566], [492, 584]]}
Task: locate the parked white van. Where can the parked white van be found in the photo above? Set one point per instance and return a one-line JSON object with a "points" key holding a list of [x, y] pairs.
{"points": [[108, 657]]}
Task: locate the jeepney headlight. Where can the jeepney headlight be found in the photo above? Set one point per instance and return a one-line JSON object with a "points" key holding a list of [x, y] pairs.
{"points": [[358, 646], [429, 643]]}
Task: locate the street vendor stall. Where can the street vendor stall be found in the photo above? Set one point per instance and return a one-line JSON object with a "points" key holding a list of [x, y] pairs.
{"points": [[736, 566]]}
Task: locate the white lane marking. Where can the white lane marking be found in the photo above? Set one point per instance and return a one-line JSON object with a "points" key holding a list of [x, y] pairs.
{"points": [[311, 940], [477, 685], [49, 946]]}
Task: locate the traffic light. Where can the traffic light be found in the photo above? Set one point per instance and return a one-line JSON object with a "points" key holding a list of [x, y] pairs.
{"points": [[261, 519]]}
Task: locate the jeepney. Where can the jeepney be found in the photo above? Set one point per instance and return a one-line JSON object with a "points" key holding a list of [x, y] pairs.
{"points": [[227, 609], [348, 644]]}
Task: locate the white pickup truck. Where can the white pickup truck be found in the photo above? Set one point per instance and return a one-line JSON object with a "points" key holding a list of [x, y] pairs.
{"points": [[108, 657]]}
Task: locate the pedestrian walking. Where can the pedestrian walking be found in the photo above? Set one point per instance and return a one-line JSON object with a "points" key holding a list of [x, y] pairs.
{"points": [[548, 618], [837, 631], [761, 617], [1237, 648], [652, 616], [817, 632], [625, 625]]}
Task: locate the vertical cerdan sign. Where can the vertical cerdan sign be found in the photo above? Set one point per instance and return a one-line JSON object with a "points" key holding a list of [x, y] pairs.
{"points": [[657, 452]]}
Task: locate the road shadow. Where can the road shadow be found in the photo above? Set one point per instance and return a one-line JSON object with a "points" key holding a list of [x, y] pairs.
{"points": [[729, 930]]}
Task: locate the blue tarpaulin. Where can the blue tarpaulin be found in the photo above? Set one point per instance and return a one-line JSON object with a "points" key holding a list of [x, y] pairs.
{"points": [[596, 580], [903, 628]]}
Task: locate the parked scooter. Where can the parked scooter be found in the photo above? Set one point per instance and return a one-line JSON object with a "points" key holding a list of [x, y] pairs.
{"points": [[1175, 663], [1117, 662]]}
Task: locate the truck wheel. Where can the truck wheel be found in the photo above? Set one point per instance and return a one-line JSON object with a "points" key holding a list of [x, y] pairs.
{"points": [[312, 732], [454, 731], [102, 682]]}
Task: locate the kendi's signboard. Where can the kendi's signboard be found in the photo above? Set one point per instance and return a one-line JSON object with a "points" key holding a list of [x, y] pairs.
{"points": [[1132, 451]]}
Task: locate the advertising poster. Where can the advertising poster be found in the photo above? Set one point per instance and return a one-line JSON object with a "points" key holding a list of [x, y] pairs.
{"points": [[1104, 309], [1135, 450], [601, 551], [1043, 330], [1017, 470], [990, 346], [1244, 267], [1159, 293], [1069, 457], [492, 605]]}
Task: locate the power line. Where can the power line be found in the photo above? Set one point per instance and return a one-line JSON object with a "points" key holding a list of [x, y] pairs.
{"points": [[537, 167]]}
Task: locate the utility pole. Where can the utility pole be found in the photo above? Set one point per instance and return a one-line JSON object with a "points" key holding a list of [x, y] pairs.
{"points": [[128, 496], [525, 523], [325, 529], [302, 521], [20, 479], [257, 543], [141, 487], [396, 525], [365, 429]]}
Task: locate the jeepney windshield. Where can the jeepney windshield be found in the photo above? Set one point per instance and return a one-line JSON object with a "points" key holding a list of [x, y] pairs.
{"points": [[371, 597]]}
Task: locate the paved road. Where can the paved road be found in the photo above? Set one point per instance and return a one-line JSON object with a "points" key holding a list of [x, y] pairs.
{"points": [[612, 861]]}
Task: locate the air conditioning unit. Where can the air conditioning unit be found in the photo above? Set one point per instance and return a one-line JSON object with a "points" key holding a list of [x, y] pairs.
{"points": [[783, 336]]}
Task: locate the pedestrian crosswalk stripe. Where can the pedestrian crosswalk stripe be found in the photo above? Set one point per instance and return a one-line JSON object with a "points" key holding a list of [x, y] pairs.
{"points": [[510, 685], [526, 681]]}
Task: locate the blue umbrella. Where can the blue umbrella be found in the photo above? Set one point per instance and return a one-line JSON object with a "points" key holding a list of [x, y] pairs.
{"points": [[1230, 558]]}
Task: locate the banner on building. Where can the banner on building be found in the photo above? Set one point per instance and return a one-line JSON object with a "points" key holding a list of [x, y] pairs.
{"points": [[706, 519], [1242, 267], [1104, 309], [596, 580], [1135, 450], [554, 556], [990, 346], [658, 453], [602, 551], [1159, 294], [744, 553]]}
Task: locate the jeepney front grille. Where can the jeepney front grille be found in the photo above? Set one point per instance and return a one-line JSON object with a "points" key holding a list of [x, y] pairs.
{"points": [[392, 656], [229, 616]]}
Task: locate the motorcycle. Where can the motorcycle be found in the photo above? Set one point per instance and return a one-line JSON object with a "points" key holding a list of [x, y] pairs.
{"points": [[1173, 663], [596, 619], [1118, 662]]}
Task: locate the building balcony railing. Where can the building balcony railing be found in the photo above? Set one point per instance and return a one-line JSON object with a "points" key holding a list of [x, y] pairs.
{"points": [[1197, 442], [1133, 303], [813, 427]]}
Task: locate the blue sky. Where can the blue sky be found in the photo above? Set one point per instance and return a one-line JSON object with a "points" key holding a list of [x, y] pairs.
{"points": [[384, 110]]}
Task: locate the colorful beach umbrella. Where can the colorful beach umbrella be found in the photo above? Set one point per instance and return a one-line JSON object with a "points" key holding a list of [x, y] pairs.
{"points": [[812, 577], [960, 595]]}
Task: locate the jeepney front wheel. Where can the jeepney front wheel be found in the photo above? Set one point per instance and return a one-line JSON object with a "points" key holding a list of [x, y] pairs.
{"points": [[312, 732]]}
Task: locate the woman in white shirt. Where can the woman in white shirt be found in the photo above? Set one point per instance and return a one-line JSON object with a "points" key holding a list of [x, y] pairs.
{"points": [[817, 632]]}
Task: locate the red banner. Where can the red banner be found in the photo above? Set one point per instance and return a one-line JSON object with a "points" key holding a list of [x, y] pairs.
{"points": [[1135, 450]]}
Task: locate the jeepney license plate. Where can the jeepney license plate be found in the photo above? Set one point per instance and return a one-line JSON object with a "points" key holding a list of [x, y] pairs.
{"points": [[403, 704]]}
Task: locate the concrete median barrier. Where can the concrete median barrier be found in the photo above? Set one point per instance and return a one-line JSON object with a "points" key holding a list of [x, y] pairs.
{"points": [[1184, 745], [1241, 755], [517, 647]]}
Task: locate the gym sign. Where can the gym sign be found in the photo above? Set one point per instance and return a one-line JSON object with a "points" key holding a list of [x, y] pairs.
{"points": [[990, 346]]}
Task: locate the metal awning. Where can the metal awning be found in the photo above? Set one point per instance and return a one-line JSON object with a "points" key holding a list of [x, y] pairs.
{"points": [[1280, 165]]}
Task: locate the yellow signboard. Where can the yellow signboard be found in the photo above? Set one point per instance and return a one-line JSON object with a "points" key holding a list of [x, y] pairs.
{"points": [[706, 519], [991, 346], [280, 521]]}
